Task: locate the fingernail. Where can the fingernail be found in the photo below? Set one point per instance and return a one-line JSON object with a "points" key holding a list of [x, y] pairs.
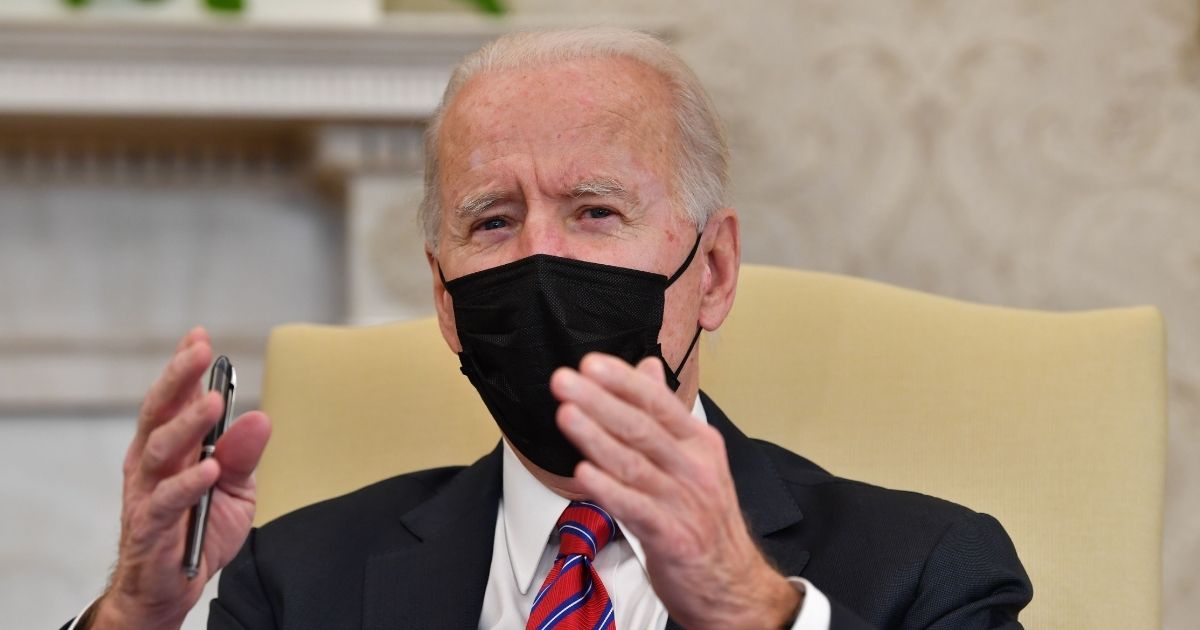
{"points": [[568, 380], [601, 365], [597, 364]]}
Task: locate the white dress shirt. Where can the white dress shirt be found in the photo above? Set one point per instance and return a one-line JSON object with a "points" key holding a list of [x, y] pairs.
{"points": [[526, 544]]}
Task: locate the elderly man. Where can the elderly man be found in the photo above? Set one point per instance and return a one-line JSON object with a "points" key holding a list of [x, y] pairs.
{"points": [[578, 243]]}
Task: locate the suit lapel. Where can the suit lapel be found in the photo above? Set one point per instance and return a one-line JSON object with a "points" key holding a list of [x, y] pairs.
{"points": [[770, 510], [438, 579]]}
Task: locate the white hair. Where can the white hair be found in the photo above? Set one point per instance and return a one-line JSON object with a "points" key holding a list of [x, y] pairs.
{"points": [[702, 155]]}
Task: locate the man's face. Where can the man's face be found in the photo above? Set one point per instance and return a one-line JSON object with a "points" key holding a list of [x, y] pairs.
{"points": [[574, 159]]}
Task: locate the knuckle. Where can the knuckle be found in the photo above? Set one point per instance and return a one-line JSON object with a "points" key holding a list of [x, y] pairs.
{"points": [[632, 469], [636, 431], [650, 401], [145, 530], [162, 501], [654, 403], [156, 453]]}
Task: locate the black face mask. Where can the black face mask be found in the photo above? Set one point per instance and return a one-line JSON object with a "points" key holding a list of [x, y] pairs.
{"points": [[519, 322]]}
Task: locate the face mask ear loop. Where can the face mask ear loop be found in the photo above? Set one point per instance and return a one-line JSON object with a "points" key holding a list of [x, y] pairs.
{"points": [[687, 354], [686, 263], [441, 275]]}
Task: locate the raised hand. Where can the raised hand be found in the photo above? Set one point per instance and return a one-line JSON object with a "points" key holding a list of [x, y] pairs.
{"points": [[164, 479], [666, 477]]}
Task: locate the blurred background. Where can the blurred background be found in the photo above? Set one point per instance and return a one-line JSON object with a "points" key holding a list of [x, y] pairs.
{"points": [[239, 164]]}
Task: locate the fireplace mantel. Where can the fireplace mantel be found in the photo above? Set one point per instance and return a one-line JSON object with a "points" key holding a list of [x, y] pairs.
{"points": [[394, 71]]}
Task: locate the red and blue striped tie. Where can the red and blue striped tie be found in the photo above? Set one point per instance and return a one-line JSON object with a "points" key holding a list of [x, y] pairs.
{"points": [[572, 597]]}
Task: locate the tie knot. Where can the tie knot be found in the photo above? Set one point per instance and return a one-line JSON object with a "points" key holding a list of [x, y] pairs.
{"points": [[584, 529]]}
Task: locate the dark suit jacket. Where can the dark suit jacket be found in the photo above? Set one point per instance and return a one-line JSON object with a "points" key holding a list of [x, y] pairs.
{"points": [[414, 551]]}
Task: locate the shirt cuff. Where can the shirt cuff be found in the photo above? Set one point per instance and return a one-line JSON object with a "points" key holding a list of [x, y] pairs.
{"points": [[75, 621], [815, 611]]}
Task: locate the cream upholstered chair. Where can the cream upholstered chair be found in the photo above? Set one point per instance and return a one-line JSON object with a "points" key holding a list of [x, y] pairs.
{"points": [[1052, 422]]}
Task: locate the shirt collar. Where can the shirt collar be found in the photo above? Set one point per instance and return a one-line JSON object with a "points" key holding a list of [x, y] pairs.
{"points": [[530, 511]]}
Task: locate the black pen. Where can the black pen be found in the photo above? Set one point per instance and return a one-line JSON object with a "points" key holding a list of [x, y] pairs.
{"points": [[222, 379]]}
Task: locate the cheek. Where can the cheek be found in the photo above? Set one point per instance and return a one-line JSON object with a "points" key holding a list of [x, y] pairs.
{"points": [[680, 312]]}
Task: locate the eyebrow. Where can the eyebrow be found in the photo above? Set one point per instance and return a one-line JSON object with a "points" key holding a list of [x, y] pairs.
{"points": [[603, 187], [475, 205]]}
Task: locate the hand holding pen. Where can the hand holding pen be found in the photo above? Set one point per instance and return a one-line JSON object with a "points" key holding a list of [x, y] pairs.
{"points": [[164, 479]]}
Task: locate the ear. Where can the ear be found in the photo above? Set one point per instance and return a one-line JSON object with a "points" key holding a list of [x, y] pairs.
{"points": [[722, 256], [443, 303]]}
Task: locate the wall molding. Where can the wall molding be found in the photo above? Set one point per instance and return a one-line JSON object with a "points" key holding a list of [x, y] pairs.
{"points": [[394, 71]]}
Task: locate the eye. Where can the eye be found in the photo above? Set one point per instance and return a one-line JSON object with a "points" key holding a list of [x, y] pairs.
{"points": [[494, 223], [598, 213]]}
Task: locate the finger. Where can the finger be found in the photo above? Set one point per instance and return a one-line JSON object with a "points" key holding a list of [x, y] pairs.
{"points": [[653, 367], [175, 387], [191, 337], [640, 513], [241, 448], [640, 389], [170, 443], [176, 494], [623, 463], [628, 424]]}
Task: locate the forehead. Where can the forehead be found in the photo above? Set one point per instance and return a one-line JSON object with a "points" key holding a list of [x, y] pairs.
{"points": [[573, 88], [574, 111]]}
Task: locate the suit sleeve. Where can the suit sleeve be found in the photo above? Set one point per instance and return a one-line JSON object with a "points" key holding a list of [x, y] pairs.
{"points": [[242, 602], [971, 580]]}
